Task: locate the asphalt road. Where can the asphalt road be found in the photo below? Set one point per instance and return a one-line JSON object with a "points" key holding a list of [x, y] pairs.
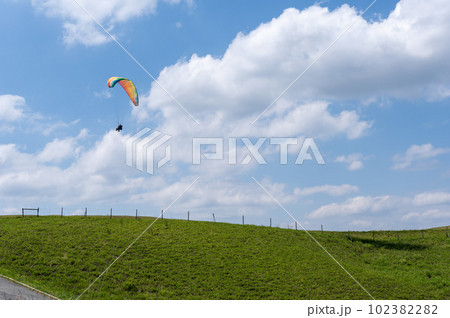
{"points": [[13, 291]]}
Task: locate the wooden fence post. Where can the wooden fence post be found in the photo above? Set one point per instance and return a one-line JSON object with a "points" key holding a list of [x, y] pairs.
{"points": [[242, 220], [162, 214], [110, 213], [214, 218], [85, 212], [62, 212], [270, 222], [373, 236], [349, 237], [37, 212], [295, 225], [188, 215], [136, 214], [23, 213], [321, 228]]}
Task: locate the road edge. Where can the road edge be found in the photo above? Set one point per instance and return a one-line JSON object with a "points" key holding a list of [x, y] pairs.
{"points": [[29, 287]]}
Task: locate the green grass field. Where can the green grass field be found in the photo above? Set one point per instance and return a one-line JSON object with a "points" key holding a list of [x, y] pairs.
{"points": [[201, 260]]}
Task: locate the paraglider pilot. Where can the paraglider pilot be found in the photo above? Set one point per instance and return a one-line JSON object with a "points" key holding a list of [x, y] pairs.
{"points": [[129, 88]]}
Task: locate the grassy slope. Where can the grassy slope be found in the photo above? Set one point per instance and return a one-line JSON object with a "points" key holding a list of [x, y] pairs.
{"points": [[201, 260]]}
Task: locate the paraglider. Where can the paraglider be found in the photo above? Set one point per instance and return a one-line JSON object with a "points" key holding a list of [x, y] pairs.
{"points": [[129, 88]]}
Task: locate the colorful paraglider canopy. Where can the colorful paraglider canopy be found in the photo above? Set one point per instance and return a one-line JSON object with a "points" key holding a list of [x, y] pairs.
{"points": [[128, 86]]}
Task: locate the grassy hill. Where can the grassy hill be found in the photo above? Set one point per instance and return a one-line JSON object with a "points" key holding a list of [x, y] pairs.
{"points": [[441, 228], [201, 260]]}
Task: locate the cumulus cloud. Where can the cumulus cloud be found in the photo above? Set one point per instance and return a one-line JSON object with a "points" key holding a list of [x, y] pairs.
{"points": [[402, 56], [80, 28], [60, 149], [429, 198], [281, 191], [95, 175], [227, 196], [433, 206], [105, 94], [431, 213], [313, 119], [417, 153], [16, 115], [11, 107], [357, 205], [355, 161], [98, 175], [327, 189], [372, 59]]}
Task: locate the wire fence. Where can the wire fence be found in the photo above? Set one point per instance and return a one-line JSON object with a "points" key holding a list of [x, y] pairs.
{"points": [[188, 215], [141, 213]]}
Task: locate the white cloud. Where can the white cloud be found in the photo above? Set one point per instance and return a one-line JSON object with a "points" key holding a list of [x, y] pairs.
{"points": [[60, 149], [227, 196], [427, 205], [354, 160], [16, 115], [96, 175], [430, 198], [431, 213], [327, 189], [105, 94], [371, 61], [358, 205], [99, 175], [417, 153], [355, 165], [313, 119], [11, 158], [78, 25], [404, 55], [46, 126], [11, 107]]}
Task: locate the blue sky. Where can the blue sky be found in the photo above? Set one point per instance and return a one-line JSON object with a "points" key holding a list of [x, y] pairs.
{"points": [[376, 104]]}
